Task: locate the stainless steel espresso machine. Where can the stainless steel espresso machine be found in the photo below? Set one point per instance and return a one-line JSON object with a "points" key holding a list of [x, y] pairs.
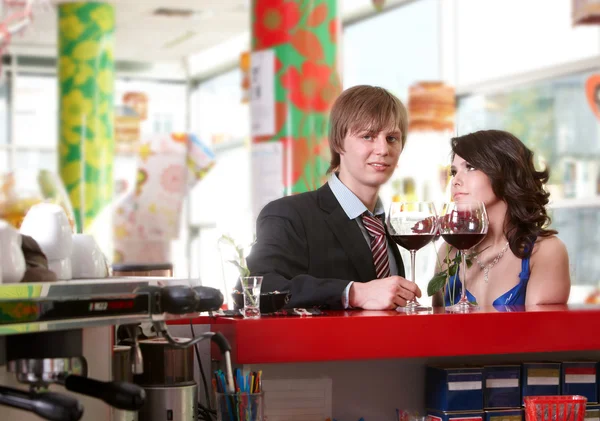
{"points": [[168, 362], [168, 379], [41, 359], [160, 383]]}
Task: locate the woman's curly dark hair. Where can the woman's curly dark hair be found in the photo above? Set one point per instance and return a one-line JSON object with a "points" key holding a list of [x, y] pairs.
{"points": [[508, 163]]}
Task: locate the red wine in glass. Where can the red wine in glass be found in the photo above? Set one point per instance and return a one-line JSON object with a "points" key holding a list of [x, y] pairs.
{"points": [[463, 225], [412, 241], [463, 241], [412, 225]]}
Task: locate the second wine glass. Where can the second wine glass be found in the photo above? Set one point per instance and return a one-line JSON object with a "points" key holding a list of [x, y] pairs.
{"points": [[412, 225], [463, 225]]}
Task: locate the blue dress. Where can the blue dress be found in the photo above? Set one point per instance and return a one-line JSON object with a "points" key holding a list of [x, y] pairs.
{"points": [[507, 301]]}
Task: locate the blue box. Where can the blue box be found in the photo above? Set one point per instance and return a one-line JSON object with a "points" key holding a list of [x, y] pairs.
{"points": [[454, 389], [433, 415], [580, 378], [502, 386], [592, 412], [539, 379], [512, 414]]}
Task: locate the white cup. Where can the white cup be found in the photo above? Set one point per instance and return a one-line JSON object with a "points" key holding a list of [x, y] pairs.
{"points": [[87, 260], [12, 261], [61, 268], [48, 225]]}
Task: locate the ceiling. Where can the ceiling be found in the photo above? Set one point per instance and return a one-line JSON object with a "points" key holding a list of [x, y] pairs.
{"points": [[212, 37], [140, 34]]}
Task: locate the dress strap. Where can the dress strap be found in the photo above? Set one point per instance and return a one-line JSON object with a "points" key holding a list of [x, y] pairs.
{"points": [[525, 270], [524, 275]]}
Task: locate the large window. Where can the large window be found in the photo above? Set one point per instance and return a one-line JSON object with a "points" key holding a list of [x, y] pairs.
{"points": [[219, 117], [220, 203], [500, 38], [553, 118], [32, 143], [393, 49]]}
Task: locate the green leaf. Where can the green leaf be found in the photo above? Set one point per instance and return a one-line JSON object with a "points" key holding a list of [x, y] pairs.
{"points": [[227, 239], [240, 252], [436, 283], [457, 258], [452, 269], [243, 270]]}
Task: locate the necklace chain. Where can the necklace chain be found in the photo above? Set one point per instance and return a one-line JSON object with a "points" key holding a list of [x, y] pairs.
{"points": [[486, 268]]}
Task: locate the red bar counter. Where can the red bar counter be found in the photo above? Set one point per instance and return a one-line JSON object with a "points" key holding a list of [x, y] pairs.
{"points": [[368, 335], [376, 360]]}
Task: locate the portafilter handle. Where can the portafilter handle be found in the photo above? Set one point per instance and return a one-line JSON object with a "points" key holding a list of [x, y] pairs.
{"points": [[209, 299], [178, 299], [49, 405], [120, 395]]}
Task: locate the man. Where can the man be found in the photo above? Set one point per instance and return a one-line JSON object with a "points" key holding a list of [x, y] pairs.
{"points": [[328, 247]]}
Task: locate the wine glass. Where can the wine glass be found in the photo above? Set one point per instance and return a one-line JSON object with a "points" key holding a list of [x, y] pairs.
{"points": [[463, 225], [412, 225]]}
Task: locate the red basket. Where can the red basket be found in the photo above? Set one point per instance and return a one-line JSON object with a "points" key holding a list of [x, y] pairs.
{"points": [[555, 408]]}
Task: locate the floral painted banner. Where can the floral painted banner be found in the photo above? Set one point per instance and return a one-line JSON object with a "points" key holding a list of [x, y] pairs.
{"points": [[86, 85], [304, 37], [147, 217]]}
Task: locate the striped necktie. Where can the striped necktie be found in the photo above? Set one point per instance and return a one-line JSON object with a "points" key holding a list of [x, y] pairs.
{"points": [[376, 231]]}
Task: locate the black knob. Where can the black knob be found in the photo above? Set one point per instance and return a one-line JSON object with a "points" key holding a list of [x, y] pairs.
{"points": [[178, 299], [209, 299], [57, 407], [121, 395], [50, 406]]}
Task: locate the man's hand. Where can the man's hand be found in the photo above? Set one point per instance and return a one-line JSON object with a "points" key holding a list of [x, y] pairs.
{"points": [[383, 294]]}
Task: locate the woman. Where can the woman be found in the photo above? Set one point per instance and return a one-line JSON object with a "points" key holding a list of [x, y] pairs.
{"points": [[520, 261]]}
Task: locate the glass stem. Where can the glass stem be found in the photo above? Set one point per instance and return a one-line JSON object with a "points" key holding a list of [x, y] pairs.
{"points": [[413, 255], [463, 293]]}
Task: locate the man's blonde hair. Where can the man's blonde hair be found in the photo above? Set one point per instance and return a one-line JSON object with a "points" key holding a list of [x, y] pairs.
{"points": [[363, 107]]}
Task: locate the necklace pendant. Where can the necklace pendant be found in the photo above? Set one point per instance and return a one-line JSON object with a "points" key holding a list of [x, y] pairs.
{"points": [[485, 275]]}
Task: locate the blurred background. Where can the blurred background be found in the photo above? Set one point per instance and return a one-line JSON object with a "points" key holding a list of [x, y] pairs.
{"points": [[186, 66]]}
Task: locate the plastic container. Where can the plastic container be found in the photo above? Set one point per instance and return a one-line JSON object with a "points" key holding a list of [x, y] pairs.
{"points": [[555, 408]]}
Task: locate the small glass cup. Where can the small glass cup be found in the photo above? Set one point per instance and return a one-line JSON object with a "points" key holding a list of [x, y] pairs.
{"points": [[241, 406], [251, 290]]}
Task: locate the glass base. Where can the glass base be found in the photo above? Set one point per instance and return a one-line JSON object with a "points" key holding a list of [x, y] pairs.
{"points": [[414, 307], [462, 307], [251, 312]]}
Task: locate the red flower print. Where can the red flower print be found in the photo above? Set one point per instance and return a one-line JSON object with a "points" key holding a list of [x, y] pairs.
{"points": [[172, 179], [273, 21], [293, 166], [318, 15], [308, 87], [321, 147], [278, 65], [333, 30]]}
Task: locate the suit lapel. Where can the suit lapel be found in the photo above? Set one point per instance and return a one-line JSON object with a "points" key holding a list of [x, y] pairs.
{"points": [[348, 234]]}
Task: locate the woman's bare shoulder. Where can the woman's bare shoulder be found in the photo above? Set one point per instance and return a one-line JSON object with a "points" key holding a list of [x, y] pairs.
{"points": [[550, 281], [549, 247]]}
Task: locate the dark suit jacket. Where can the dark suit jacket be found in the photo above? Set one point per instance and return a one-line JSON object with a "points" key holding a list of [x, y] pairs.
{"points": [[306, 244]]}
